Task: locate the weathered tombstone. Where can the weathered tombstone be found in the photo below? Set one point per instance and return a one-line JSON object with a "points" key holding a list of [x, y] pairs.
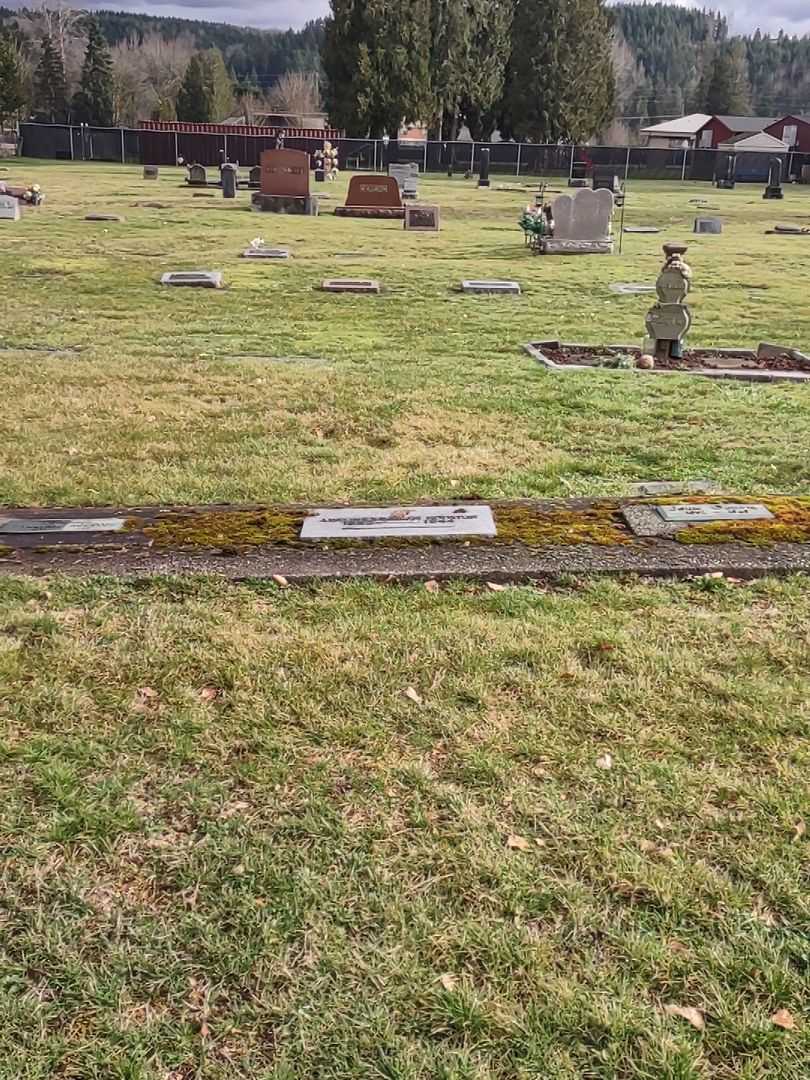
{"points": [[668, 520], [199, 279], [228, 172], [372, 197], [774, 188], [371, 522], [350, 285], [668, 320], [605, 178], [24, 526], [103, 217], [727, 178], [255, 177], [285, 184], [422, 218], [494, 288], [582, 224], [150, 172], [407, 177], [709, 226], [9, 208], [483, 170], [197, 176], [579, 174], [259, 251]]}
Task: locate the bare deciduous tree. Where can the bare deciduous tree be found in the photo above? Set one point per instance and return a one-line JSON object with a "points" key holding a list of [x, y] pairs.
{"points": [[295, 93]]}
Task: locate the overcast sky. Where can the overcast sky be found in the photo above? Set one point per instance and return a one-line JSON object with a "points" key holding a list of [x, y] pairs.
{"points": [[792, 16]]}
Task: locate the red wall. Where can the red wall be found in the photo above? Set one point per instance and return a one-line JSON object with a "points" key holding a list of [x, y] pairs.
{"points": [[720, 133], [802, 135]]}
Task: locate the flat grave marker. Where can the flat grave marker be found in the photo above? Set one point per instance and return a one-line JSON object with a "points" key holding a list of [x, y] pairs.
{"points": [[422, 218], [350, 285], [399, 521], [497, 288], [201, 279], [674, 487], [703, 512], [266, 253], [103, 217], [23, 526], [630, 288], [641, 229]]}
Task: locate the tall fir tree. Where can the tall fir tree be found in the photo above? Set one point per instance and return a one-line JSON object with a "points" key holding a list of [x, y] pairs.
{"points": [[50, 90], [12, 89], [206, 95], [728, 91], [376, 62], [560, 80], [93, 101]]}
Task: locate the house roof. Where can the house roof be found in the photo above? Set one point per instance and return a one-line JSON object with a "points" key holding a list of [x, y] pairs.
{"points": [[760, 140], [750, 124], [682, 125]]}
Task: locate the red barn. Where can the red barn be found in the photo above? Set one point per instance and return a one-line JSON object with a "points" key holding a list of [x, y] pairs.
{"points": [[794, 130], [723, 129]]}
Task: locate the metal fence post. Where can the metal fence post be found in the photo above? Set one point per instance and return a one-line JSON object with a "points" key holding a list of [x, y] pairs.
{"points": [[571, 166], [225, 146], [424, 167], [176, 149], [123, 151], [517, 166], [70, 131], [472, 158], [683, 169], [626, 166]]}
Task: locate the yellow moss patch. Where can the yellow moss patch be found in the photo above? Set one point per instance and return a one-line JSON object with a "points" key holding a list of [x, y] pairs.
{"points": [[5, 551], [790, 525], [225, 529], [597, 525]]}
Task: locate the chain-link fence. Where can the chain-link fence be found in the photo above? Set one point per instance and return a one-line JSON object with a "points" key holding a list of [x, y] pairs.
{"points": [[83, 143]]}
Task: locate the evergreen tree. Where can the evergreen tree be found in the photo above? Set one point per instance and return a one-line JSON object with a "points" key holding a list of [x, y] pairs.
{"points": [[728, 90], [93, 102], [560, 81], [12, 90], [206, 96], [50, 91], [376, 61]]}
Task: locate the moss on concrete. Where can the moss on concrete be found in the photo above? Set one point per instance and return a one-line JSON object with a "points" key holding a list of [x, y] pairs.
{"points": [[790, 524]]}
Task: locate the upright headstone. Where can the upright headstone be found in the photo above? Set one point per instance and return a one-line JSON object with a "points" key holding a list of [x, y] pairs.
{"points": [[197, 176], [285, 184], [483, 170], [582, 224], [710, 225], [407, 177], [150, 172], [605, 178], [727, 177], [9, 208], [228, 172], [372, 197], [255, 177], [669, 320], [774, 188]]}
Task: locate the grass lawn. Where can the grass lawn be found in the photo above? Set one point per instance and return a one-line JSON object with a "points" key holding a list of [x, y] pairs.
{"points": [[422, 391], [358, 831]]}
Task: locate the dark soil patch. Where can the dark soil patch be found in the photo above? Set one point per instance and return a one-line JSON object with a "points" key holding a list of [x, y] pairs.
{"points": [[693, 359]]}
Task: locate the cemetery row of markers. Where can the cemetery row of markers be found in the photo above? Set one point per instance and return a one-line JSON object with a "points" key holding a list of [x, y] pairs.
{"points": [[430, 521]]}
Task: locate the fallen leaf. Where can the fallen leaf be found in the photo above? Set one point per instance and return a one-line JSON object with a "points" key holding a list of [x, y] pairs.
{"points": [[280, 580], [146, 699], [539, 842], [604, 762], [686, 1012], [677, 947], [493, 586], [517, 843], [799, 829], [210, 693], [449, 982], [784, 1019], [647, 845], [432, 586], [412, 695]]}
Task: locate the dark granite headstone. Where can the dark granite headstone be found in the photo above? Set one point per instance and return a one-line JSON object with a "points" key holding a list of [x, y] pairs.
{"points": [[727, 178], [197, 176], [150, 172], [483, 171], [774, 188], [228, 174]]}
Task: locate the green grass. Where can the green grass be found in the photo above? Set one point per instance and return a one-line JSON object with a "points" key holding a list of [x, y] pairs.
{"points": [[424, 392], [252, 833], [272, 883]]}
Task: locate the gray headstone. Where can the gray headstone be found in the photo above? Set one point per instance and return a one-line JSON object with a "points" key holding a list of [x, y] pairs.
{"points": [[501, 288], [60, 525], [399, 521], [641, 229], [711, 226], [150, 172], [266, 253], [585, 216], [660, 488], [350, 285], [201, 279], [9, 208], [703, 512]]}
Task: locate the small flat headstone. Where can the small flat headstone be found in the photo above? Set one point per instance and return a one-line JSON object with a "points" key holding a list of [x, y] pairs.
{"points": [[704, 512], [350, 285], [708, 226], [651, 488], [504, 288], [399, 521], [103, 217], [630, 288], [201, 279], [266, 253], [60, 525], [642, 229], [791, 230]]}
